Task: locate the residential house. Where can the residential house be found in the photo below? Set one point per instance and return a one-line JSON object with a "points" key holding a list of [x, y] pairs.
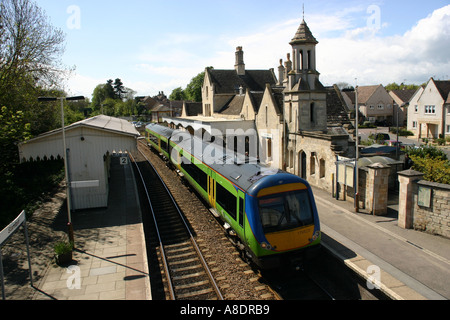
{"points": [[375, 104], [429, 113], [402, 98]]}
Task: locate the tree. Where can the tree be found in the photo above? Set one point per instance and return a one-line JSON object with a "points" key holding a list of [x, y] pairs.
{"points": [[119, 89], [30, 51], [193, 90], [177, 94]]}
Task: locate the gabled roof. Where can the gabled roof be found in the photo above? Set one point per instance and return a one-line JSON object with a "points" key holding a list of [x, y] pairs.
{"points": [[404, 95], [364, 93], [443, 87], [234, 106], [229, 82]]}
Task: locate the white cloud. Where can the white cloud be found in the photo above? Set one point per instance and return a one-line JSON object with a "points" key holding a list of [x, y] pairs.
{"points": [[415, 56]]}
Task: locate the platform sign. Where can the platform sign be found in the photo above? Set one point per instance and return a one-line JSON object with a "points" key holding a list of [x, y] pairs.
{"points": [[123, 161], [4, 235]]}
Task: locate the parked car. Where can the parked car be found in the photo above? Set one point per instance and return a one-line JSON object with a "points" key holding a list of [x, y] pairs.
{"points": [[380, 138]]}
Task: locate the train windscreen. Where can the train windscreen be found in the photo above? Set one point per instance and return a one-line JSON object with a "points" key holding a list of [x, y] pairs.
{"points": [[285, 211]]}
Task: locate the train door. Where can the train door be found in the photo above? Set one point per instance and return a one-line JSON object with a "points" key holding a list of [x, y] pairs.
{"points": [[212, 188], [241, 210]]}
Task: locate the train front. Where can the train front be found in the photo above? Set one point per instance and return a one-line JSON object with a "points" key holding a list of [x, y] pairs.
{"points": [[285, 222]]}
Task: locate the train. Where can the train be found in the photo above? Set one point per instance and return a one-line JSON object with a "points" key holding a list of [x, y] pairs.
{"points": [[270, 215]]}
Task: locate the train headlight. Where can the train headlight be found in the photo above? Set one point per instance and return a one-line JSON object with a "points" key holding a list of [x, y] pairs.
{"points": [[315, 236], [266, 246]]}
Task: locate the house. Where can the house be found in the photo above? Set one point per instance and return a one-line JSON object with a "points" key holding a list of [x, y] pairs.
{"points": [[429, 111], [375, 104], [402, 98]]}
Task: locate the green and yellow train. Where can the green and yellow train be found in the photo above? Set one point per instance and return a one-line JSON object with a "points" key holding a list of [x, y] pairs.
{"points": [[270, 214]]}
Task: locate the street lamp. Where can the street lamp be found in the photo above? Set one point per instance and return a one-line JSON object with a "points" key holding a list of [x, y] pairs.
{"points": [[357, 152], [66, 169]]}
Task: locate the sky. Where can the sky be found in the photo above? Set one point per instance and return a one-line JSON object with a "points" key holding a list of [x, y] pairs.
{"points": [[160, 45]]}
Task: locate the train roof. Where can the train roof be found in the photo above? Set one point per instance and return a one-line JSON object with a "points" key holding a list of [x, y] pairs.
{"points": [[243, 171], [161, 130]]}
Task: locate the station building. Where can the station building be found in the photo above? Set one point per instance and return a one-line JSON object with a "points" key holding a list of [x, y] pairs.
{"points": [[90, 144]]}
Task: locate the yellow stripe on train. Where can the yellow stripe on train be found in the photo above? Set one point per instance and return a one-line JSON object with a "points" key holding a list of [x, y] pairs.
{"points": [[281, 189]]}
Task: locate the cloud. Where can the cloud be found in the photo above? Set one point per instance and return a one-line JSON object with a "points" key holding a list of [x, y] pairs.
{"points": [[417, 55]]}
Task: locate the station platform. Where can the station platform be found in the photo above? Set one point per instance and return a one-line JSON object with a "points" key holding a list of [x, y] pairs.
{"points": [[409, 264], [109, 261]]}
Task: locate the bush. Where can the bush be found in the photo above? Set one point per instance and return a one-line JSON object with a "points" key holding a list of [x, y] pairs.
{"points": [[432, 162], [435, 170]]}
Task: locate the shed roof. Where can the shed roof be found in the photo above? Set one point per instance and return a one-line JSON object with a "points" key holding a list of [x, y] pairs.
{"points": [[100, 122]]}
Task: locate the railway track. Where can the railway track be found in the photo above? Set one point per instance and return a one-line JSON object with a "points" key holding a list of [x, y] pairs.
{"points": [[187, 276]]}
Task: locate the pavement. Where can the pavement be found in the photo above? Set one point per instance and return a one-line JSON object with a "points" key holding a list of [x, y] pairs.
{"points": [[110, 261], [408, 264]]}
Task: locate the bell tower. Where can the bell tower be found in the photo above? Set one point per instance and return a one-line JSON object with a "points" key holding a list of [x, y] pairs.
{"points": [[305, 96], [304, 56]]}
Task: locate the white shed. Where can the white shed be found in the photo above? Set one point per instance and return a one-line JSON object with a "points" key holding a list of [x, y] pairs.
{"points": [[90, 144]]}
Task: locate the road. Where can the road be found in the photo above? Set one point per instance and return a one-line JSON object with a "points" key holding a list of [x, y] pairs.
{"points": [[365, 133]]}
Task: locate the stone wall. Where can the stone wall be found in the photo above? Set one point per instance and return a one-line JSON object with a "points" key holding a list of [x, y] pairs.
{"points": [[423, 205], [436, 218]]}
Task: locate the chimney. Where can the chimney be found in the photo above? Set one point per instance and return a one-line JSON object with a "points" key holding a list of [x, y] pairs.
{"points": [[240, 65], [281, 71]]}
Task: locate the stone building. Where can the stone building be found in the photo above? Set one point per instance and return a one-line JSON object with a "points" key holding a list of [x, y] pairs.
{"points": [[298, 124]]}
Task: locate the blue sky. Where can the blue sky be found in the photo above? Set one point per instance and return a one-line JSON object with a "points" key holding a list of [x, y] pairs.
{"points": [[159, 45]]}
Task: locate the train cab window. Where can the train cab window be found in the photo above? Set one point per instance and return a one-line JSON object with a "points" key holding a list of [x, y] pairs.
{"points": [[285, 211]]}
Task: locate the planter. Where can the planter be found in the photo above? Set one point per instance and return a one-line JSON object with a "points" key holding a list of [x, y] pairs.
{"points": [[63, 253], [64, 258]]}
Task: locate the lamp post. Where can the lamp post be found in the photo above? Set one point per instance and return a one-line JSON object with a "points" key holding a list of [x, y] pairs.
{"points": [[66, 168], [357, 152]]}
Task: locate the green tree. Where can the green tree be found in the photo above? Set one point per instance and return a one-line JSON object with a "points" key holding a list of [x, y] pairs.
{"points": [[193, 90], [30, 52], [119, 89], [177, 94]]}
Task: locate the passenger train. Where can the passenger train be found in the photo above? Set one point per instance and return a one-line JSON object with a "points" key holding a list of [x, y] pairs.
{"points": [[271, 215]]}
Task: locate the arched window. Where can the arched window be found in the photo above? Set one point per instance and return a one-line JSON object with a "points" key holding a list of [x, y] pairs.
{"points": [[312, 112]]}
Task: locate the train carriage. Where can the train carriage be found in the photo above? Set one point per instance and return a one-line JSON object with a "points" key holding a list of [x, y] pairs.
{"points": [[271, 214]]}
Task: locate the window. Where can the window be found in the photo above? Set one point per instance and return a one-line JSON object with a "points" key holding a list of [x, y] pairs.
{"points": [[322, 168], [372, 107], [448, 129], [312, 164], [380, 107], [290, 112], [226, 200], [269, 148], [416, 108], [430, 109], [195, 172], [285, 211], [414, 124], [312, 112]]}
